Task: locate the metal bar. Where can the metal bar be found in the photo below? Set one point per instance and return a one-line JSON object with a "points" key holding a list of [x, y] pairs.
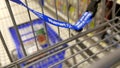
{"points": [[107, 14], [114, 27], [56, 53], [5, 47], [46, 57], [67, 4], [107, 61], [87, 26], [78, 3], [79, 44], [29, 15], [89, 52], [64, 49], [113, 10], [14, 58], [82, 54], [58, 44], [56, 12], [103, 6], [57, 16], [78, 9], [68, 63], [71, 49], [103, 9], [83, 47], [117, 11], [15, 26], [42, 8], [72, 52], [74, 66], [81, 51]]}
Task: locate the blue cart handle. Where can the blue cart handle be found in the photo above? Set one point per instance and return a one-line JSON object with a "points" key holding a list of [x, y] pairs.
{"points": [[78, 26]]}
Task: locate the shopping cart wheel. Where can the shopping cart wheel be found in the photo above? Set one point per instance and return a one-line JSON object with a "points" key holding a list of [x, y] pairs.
{"points": [[109, 61]]}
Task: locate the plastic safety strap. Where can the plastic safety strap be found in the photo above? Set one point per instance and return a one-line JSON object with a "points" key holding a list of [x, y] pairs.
{"points": [[84, 20]]}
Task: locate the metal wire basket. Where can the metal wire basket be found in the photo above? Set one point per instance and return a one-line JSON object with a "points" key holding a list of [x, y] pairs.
{"points": [[73, 49]]}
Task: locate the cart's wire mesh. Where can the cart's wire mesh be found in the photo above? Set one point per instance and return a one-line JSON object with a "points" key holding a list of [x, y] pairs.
{"points": [[99, 38]]}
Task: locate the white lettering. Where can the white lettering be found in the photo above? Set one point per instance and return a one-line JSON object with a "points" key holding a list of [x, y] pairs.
{"points": [[82, 18], [86, 18], [57, 23], [81, 24]]}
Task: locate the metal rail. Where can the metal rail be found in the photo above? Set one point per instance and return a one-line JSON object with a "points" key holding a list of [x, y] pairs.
{"points": [[58, 51], [107, 61], [82, 49], [15, 26], [57, 45]]}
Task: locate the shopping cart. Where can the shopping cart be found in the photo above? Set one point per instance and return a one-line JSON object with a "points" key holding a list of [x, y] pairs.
{"points": [[88, 47]]}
